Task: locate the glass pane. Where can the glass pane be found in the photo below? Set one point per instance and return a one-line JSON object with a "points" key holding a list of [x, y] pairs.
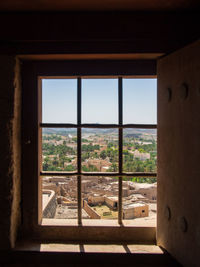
{"points": [[100, 101], [140, 150], [140, 101], [100, 197], [139, 198], [99, 150], [59, 197], [59, 149], [59, 100]]}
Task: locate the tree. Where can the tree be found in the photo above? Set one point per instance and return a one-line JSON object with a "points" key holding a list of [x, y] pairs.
{"points": [[62, 160], [103, 154], [113, 168], [46, 164], [55, 161]]}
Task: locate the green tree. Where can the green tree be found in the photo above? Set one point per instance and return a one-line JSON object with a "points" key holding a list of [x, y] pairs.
{"points": [[103, 154]]}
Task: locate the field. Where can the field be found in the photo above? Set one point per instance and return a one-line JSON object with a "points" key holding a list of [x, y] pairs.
{"points": [[105, 212]]}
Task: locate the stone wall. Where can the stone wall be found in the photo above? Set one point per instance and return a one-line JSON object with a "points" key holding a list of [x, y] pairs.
{"points": [[92, 213], [111, 202], [10, 148], [49, 210], [95, 200]]}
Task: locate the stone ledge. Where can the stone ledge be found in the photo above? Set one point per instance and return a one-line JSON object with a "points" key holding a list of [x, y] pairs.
{"points": [[88, 248]]}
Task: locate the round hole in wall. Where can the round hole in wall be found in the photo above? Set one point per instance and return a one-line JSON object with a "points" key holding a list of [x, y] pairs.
{"points": [[167, 213], [169, 94], [184, 91], [183, 224]]}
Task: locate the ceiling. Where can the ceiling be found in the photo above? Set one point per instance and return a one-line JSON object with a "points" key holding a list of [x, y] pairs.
{"points": [[98, 5]]}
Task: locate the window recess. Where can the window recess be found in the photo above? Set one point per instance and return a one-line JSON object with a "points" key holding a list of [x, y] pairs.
{"points": [[33, 171]]}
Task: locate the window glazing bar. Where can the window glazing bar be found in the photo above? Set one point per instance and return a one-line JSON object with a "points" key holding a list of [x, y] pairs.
{"points": [[79, 200], [120, 148], [58, 125], [120, 200], [111, 174], [140, 126], [79, 150], [93, 125]]}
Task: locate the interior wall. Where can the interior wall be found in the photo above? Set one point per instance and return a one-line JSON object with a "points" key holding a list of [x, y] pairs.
{"points": [[96, 32], [10, 98], [179, 154]]}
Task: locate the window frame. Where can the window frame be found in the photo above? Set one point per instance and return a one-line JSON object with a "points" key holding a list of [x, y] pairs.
{"points": [[32, 71]]}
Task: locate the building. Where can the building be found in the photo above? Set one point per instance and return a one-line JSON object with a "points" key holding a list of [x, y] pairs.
{"points": [[139, 155], [112, 202], [147, 190], [135, 210], [100, 164]]}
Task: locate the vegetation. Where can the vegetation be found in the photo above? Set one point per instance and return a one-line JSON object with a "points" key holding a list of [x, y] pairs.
{"points": [[141, 180], [139, 153]]}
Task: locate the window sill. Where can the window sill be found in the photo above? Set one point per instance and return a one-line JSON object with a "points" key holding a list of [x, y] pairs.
{"points": [[93, 231], [141, 222]]}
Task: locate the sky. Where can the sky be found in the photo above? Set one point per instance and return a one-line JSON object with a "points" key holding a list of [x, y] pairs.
{"points": [[99, 101]]}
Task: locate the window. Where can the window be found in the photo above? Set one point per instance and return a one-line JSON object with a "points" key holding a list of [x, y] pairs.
{"points": [[72, 116], [80, 118]]}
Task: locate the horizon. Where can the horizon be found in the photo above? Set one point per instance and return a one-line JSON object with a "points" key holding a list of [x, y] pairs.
{"points": [[60, 131]]}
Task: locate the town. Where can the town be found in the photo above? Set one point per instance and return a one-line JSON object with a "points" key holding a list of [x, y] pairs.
{"points": [[99, 154]]}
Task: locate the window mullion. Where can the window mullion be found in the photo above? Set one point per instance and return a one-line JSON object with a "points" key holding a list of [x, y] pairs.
{"points": [[120, 145], [79, 150]]}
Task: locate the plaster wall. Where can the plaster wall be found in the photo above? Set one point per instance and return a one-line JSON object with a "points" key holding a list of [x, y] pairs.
{"points": [[10, 153], [178, 226]]}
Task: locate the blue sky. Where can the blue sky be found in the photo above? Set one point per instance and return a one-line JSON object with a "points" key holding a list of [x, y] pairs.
{"points": [[99, 101]]}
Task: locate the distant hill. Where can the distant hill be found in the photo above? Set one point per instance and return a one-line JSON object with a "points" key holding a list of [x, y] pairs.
{"points": [[127, 132], [60, 131]]}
